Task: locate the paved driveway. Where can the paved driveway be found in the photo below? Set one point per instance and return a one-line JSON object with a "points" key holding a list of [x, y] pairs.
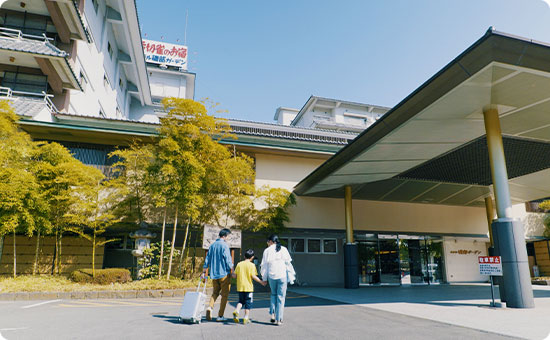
{"points": [[306, 317], [457, 304]]}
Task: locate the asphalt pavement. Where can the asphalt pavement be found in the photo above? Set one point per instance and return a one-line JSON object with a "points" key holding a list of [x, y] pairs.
{"points": [[306, 317]]}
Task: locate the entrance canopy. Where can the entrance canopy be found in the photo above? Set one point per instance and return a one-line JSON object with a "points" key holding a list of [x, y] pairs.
{"points": [[431, 147]]}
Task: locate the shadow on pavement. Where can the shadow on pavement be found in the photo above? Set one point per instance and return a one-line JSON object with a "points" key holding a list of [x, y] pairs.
{"points": [[440, 295], [168, 318]]}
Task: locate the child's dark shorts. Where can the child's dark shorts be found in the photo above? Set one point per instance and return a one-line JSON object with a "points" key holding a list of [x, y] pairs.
{"points": [[245, 298]]}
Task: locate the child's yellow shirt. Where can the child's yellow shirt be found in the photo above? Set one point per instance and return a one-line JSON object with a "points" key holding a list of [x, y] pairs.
{"points": [[244, 271]]}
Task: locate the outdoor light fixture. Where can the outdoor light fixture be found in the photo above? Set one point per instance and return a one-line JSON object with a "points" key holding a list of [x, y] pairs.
{"points": [[142, 239]]}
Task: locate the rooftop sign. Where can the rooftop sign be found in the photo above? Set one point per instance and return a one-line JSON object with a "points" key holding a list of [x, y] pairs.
{"points": [[158, 52]]}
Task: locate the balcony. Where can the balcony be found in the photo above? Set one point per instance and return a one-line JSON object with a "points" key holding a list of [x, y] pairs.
{"points": [[32, 51], [28, 104], [328, 123], [68, 20]]}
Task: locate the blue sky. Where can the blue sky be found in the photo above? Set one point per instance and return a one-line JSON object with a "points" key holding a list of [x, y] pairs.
{"points": [[254, 56]]}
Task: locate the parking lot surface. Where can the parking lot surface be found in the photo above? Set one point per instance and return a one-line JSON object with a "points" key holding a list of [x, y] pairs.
{"points": [[306, 317]]}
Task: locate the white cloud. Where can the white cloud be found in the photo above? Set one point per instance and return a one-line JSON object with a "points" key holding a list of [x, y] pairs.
{"points": [[547, 2]]}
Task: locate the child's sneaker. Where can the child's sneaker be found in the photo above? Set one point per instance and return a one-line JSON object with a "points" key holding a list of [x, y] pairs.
{"points": [[236, 316], [245, 321], [221, 319]]}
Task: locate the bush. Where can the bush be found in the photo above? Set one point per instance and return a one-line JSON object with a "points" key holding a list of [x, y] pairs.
{"points": [[149, 262], [102, 276]]}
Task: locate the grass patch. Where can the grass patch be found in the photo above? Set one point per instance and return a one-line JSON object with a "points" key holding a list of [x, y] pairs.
{"points": [[54, 283]]}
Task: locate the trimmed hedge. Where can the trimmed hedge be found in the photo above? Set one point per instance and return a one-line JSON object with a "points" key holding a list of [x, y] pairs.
{"points": [[102, 276]]}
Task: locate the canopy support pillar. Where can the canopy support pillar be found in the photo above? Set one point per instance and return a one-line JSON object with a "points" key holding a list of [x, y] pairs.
{"points": [[351, 264], [508, 233]]}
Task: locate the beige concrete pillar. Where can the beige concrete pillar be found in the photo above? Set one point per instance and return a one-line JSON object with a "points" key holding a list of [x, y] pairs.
{"points": [[489, 209], [349, 214], [497, 161]]}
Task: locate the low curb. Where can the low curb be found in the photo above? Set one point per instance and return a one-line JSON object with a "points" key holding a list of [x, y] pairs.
{"points": [[101, 294]]}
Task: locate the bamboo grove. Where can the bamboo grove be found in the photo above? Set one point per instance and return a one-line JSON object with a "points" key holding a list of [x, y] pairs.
{"points": [[185, 177]]}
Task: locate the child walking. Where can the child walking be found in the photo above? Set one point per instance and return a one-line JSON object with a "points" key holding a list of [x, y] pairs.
{"points": [[245, 273]]}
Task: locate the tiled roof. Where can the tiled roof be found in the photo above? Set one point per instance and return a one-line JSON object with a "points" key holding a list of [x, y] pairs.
{"points": [[88, 36], [124, 120], [31, 46], [254, 129], [25, 106]]}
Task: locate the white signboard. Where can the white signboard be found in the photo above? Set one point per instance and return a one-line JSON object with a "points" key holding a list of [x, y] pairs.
{"points": [[211, 234], [158, 52], [490, 265]]}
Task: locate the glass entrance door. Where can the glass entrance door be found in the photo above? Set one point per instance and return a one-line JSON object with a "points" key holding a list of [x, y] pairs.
{"points": [[389, 259], [368, 262], [434, 260], [412, 260], [403, 259]]}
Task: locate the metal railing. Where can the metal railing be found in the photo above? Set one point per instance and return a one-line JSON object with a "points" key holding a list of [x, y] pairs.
{"points": [[8, 93], [273, 132], [18, 34]]}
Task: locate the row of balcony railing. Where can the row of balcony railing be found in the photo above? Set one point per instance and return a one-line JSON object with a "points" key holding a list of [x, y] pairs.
{"points": [[8, 93], [13, 33]]}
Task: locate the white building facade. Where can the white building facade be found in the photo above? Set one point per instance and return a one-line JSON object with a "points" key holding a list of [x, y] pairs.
{"points": [[76, 72]]}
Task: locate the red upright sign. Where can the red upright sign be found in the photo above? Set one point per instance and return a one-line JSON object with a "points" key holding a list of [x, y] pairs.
{"points": [[490, 265]]}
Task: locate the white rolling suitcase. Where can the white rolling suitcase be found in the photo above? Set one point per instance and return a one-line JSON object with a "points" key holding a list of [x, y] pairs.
{"points": [[193, 305]]}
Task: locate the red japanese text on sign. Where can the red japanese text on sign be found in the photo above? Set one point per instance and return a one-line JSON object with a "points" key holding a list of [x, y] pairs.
{"points": [[158, 52]]}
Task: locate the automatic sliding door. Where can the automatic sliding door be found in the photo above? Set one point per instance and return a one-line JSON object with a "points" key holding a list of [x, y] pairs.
{"points": [[434, 257], [417, 260], [368, 262], [389, 259]]}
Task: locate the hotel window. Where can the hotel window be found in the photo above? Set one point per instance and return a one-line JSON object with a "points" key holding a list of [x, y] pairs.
{"points": [[16, 81], [314, 245], [297, 245], [106, 81], [329, 246], [110, 50], [96, 5], [27, 23], [83, 81]]}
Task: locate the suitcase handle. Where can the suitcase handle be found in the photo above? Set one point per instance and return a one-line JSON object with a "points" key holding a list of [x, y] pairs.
{"points": [[204, 286]]}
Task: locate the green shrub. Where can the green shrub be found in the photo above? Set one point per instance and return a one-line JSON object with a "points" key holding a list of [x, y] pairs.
{"points": [[102, 276]]}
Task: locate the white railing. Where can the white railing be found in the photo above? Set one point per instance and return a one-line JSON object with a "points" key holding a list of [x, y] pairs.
{"points": [[6, 92], [17, 34], [322, 118]]}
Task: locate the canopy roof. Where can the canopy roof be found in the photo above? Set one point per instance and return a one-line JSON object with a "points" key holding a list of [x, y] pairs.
{"points": [[431, 147]]}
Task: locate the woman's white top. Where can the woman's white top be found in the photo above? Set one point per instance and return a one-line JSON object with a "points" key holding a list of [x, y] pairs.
{"points": [[274, 263]]}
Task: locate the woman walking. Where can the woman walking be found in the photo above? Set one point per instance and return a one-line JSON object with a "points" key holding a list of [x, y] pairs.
{"points": [[275, 262]]}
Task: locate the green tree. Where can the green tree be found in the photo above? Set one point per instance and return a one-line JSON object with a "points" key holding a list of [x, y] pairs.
{"points": [[269, 213], [545, 205], [22, 208], [64, 181], [94, 216], [132, 183], [186, 137], [228, 186]]}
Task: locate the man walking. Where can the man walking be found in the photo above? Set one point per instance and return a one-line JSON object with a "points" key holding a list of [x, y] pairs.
{"points": [[220, 263]]}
